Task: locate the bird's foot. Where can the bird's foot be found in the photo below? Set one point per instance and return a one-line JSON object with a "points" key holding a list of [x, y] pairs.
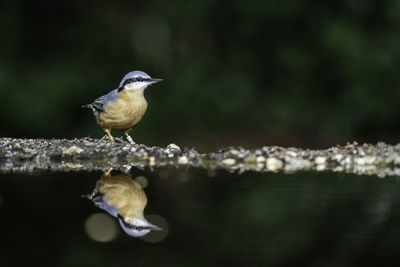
{"points": [[108, 171], [106, 137]]}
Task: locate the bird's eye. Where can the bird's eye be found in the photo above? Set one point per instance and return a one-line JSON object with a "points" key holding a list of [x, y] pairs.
{"points": [[139, 79]]}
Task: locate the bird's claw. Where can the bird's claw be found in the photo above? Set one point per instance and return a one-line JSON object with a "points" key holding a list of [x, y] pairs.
{"points": [[106, 137], [119, 139]]}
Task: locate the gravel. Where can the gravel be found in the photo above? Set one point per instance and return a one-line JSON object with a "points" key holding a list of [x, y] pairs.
{"points": [[86, 154]]}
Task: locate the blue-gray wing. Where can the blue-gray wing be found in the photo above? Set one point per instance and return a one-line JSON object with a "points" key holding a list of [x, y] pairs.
{"points": [[102, 101]]}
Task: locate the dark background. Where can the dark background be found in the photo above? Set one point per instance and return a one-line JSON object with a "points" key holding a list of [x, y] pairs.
{"points": [[250, 73]]}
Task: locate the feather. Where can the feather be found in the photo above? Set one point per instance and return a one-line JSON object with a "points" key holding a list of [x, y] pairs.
{"points": [[100, 103]]}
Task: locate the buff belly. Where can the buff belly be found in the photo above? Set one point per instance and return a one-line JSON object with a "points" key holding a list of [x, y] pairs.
{"points": [[124, 112]]}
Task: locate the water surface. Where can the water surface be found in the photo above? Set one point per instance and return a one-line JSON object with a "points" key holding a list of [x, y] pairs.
{"points": [[208, 217]]}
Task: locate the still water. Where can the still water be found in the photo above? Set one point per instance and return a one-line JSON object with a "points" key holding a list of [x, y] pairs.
{"points": [[200, 217]]}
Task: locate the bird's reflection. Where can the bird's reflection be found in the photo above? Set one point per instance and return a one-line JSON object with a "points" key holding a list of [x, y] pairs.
{"points": [[123, 198]]}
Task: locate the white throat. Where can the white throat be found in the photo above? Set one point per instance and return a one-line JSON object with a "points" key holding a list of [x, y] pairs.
{"points": [[137, 86]]}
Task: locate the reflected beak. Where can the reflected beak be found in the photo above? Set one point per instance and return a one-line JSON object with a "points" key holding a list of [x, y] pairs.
{"points": [[155, 227], [155, 80]]}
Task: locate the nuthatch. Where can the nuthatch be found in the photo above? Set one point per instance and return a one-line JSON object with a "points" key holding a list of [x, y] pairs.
{"points": [[123, 198], [124, 107]]}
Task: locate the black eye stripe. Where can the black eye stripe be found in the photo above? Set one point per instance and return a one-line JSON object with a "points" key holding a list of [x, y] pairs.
{"points": [[137, 79], [128, 81], [132, 80]]}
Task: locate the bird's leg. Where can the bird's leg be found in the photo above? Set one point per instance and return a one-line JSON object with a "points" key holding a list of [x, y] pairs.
{"points": [[128, 137], [108, 171], [108, 132]]}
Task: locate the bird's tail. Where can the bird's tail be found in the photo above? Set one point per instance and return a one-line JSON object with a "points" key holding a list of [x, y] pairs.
{"points": [[87, 106]]}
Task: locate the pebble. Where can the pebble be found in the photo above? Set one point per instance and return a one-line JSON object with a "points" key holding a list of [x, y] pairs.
{"points": [[152, 161], [273, 164], [367, 160], [173, 146], [320, 160], [320, 167], [74, 165], [183, 160], [250, 158], [260, 159], [234, 152], [73, 149], [337, 157], [228, 162]]}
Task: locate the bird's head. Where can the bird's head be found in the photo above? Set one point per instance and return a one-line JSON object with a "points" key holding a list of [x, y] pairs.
{"points": [[137, 227], [137, 81]]}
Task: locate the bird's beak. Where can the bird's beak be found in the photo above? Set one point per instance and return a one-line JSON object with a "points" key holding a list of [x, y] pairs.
{"points": [[155, 80], [155, 227]]}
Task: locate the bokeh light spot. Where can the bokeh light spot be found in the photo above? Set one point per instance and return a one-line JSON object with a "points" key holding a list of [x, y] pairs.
{"points": [[142, 180], [101, 227]]}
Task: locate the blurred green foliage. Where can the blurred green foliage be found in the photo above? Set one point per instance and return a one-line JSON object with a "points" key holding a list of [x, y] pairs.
{"points": [[236, 72]]}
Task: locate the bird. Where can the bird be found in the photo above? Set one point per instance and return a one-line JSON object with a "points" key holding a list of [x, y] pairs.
{"points": [[123, 198], [124, 107]]}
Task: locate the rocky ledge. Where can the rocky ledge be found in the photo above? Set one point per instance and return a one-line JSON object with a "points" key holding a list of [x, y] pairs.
{"points": [[86, 154]]}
